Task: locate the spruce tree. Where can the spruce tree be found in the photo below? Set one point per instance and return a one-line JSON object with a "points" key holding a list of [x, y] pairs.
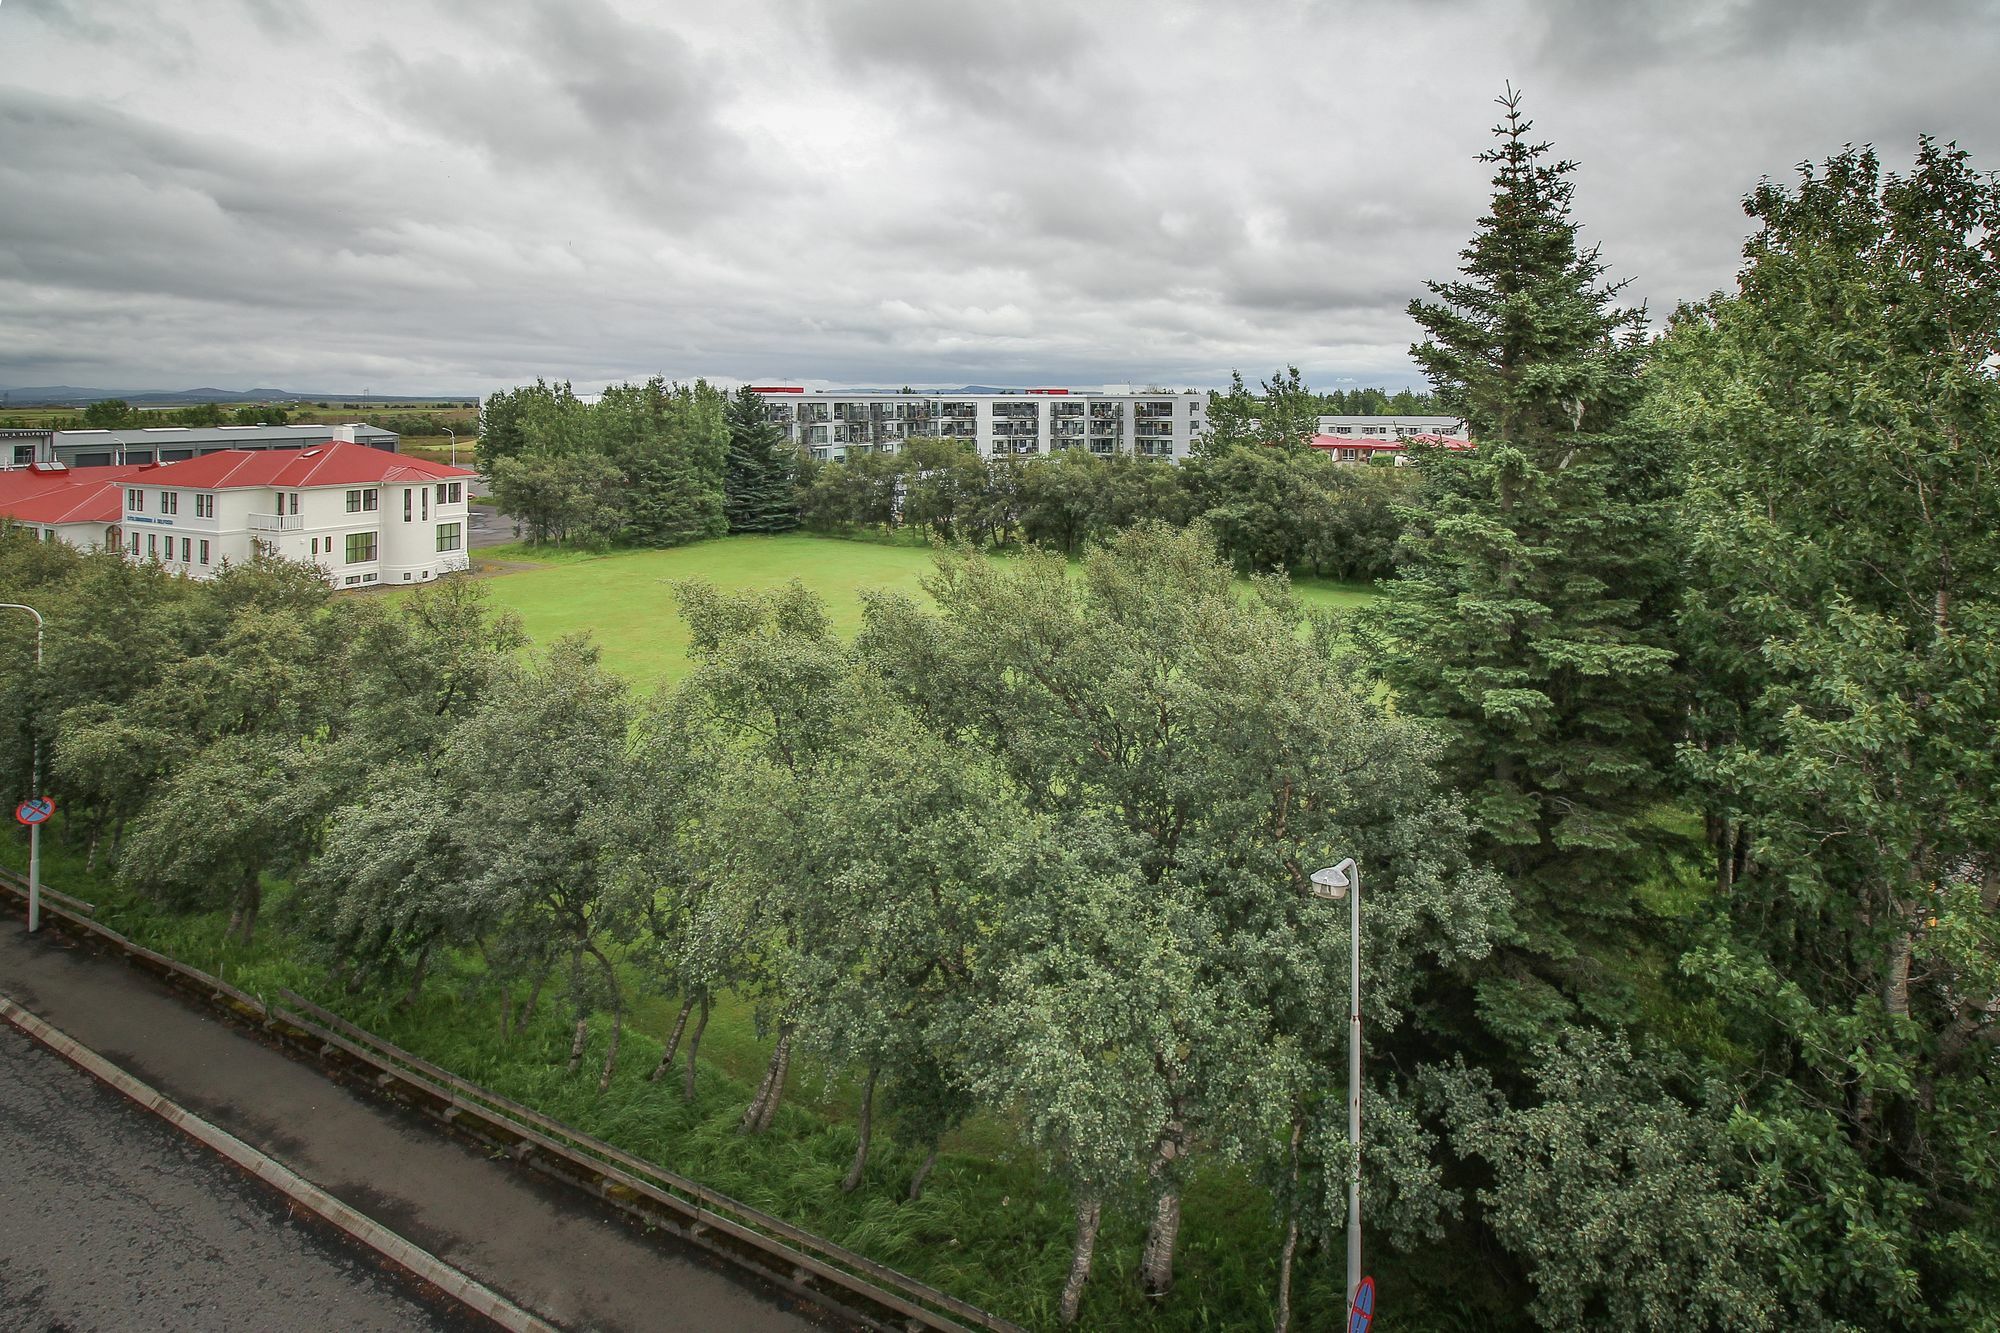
{"points": [[1527, 620], [760, 484]]}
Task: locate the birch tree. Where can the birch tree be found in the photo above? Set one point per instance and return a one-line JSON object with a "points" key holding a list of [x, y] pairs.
{"points": [[1209, 755]]}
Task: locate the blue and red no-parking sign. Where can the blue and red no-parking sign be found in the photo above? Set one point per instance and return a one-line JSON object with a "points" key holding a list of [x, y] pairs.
{"points": [[1362, 1312], [34, 810]]}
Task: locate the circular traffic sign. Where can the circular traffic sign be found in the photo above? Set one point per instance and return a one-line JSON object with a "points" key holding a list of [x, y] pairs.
{"points": [[34, 810], [1361, 1313]]}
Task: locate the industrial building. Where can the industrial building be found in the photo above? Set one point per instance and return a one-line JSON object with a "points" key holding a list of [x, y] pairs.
{"points": [[174, 444]]}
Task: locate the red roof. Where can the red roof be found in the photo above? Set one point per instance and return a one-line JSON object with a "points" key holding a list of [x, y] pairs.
{"points": [[68, 495], [336, 464], [1380, 445]]}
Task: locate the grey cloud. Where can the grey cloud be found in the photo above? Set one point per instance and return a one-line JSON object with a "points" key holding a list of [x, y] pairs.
{"points": [[446, 196]]}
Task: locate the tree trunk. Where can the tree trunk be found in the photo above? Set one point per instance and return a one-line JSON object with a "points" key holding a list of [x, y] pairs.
{"points": [[417, 978], [617, 993], [694, 1045], [1291, 1246], [757, 1116], [1156, 1262], [1896, 985], [782, 1062], [90, 860], [507, 1011], [576, 1046], [243, 917], [673, 1041], [611, 1055], [923, 1174], [866, 1125], [1283, 1322], [534, 998], [1088, 1213]]}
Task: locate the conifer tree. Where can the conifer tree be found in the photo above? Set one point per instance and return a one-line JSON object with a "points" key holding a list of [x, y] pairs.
{"points": [[760, 484], [1526, 621]]}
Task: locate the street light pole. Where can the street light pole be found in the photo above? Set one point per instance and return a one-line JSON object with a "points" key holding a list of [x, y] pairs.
{"points": [[1336, 882], [35, 782], [454, 443]]}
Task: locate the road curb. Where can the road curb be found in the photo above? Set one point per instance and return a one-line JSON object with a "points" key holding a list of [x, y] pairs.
{"points": [[420, 1263]]}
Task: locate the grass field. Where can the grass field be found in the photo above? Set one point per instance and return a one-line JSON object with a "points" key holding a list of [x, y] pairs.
{"points": [[625, 601]]}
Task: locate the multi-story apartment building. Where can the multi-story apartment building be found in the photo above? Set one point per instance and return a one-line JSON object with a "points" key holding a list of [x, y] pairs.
{"points": [[1391, 428], [1115, 420]]}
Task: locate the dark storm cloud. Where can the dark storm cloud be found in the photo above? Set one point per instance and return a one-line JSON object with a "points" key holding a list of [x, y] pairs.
{"points": [[428, 195]]}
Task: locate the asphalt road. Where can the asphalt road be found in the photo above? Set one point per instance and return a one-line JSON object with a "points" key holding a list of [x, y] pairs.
{"points": [[550, 1250], [111, 1219]]}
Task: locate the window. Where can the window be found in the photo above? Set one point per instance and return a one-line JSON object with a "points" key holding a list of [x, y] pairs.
{"points": [[360, 547], [293, 506], [204, 506], [448, 536], [407, 503], [170, 502], [152, 545], [187, 544], [424, 503], [457, 491], [204, 552], [354, 502], [135, 545], [315, 546], [135, 502], [440, 492], [368, 498]]}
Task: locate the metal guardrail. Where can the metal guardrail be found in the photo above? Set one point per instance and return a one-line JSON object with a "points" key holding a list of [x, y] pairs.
{"points": [[831, 1275]]}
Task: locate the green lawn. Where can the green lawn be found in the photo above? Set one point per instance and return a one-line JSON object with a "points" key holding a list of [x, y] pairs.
{"points": [[623, 600]]}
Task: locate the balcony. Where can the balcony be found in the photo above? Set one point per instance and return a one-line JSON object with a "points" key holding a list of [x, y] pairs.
{"points": [[276, 523]]}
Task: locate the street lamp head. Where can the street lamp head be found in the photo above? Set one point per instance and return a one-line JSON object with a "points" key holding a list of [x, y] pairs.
{"points": [[1332, 881]]}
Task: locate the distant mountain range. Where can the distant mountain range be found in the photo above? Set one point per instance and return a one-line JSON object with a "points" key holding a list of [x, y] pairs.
{"points": [[69, 395]]}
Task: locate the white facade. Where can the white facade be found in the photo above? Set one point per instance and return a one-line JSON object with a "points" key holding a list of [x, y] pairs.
{"points": [[1391, 428], [1000, 425], [360, 534]]}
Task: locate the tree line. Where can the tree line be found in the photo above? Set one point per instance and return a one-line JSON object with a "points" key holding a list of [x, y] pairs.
{"points": [[662, 465], [651, 464], [1270, 509]]}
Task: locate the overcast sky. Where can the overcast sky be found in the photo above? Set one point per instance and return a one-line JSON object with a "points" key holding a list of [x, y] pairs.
{"points": [[458, 195]]}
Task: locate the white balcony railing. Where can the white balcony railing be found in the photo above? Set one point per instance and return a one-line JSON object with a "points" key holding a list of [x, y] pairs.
{"points": [[276, 523]]}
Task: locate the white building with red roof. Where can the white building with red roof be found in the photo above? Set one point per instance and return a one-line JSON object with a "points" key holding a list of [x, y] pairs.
{"points": [[364, 516], [79, 506]]}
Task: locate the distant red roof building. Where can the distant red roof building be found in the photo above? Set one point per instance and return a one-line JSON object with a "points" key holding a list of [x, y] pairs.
{"points": [[1357, 447]]}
